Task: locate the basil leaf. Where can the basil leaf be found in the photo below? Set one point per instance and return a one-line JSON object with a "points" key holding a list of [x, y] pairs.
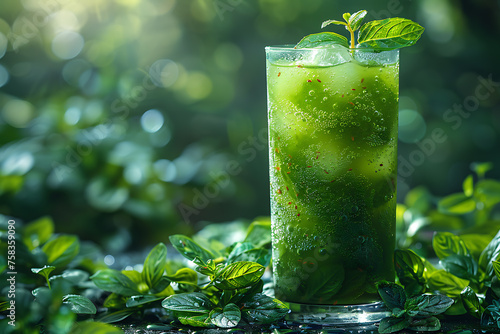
{"points": [[259, 233], [61, 250], [141, 299], [471, 302], [424, 324], [228, 317], [94, 328], [196, 320], [37, 232], [117, 316], [189, 249], [410, 270], [446, 244], [328, 22], [390, 33], [392, 294], [446, 283], [468, 186], [79, 304], [239, 275], [322, 39], [475, 243], [356, 19], [456, 204], [114, 281], [427, 305], [391, 325], [263, 309], [490, 253], [261, 256], [461, 266], [155, 265], [346, 16], [195, 302]]}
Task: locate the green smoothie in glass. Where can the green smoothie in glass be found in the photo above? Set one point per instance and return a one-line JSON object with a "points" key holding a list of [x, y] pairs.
{"points": [[333, 117]]}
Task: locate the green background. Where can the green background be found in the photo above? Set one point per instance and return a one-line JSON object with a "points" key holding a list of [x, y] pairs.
{"points": [[129, 120]]}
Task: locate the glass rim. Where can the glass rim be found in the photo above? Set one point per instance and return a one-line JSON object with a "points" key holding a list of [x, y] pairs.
{"points": [[291, 47]]}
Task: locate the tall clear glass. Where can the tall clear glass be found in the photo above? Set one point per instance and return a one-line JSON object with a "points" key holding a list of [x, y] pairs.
{"points": [[333, 125]]}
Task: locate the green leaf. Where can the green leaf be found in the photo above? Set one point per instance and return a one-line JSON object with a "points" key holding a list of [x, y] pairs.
{"points": [[326, 282], [480, 168], [446, 283], [114, 281], [259, 232], [391, 325], [392, 294], [194, 302], [393, 33], [322, 39], [239, 275], [79, 304], [45, 272], [90, 327], [490, 253], [496, 268], [488, 192], [228, 317], [263, 309], [468, 185], [189, 249], [117, 316], [141, 300], [155, 265], [475, 243], [75, 276], [419, 199], [410, 270], [115, 301], [461, 266], [471, 302], [346, 16], [328, 22], [61, 250], [196, 320], [356, 19], [446, 244], [456, 204], [428, 324], [38, 232], [427, 305], [184, 275]]}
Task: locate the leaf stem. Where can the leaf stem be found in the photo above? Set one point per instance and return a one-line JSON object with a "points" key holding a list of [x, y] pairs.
{"points": [[352, 36]]}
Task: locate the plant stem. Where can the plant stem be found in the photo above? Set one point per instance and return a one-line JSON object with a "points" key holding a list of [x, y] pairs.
{"points": [[352, 36]]}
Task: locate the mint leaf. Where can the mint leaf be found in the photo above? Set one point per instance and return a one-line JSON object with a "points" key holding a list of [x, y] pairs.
{"points": [[456, 204], [392, 294], [346, 16], [263, 309], [155, 265], [471, 302], [322, 39], [496, 268], [356, 19], [428, 324], [393, 33], [190, 249], [259, 233], [194, 302], [446, 244], [45, 272], [239, 275], [328, 22], [490, 253], [184, 276], [79, 304], [461, 266], [38, 232], [446, 283], [427, 305], [391, 325], [61, 250], [114, 281], [141, 299], [228, 317], [410, 270]]}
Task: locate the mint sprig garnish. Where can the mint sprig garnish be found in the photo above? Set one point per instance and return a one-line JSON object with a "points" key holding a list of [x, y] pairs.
{"points": [[388, 34]]}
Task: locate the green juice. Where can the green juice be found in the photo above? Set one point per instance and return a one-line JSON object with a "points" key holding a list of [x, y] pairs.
{"points": [[332, 148]]}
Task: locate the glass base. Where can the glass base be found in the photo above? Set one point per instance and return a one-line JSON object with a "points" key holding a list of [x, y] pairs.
{"points": [[338, 315]]}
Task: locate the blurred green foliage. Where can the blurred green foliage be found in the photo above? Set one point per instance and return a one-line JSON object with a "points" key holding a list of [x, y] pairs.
{"points": [[131, 120]]}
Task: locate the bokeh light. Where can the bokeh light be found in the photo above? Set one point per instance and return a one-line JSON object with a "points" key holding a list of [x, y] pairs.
{"points": [[412, 126], [67, 44]]}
